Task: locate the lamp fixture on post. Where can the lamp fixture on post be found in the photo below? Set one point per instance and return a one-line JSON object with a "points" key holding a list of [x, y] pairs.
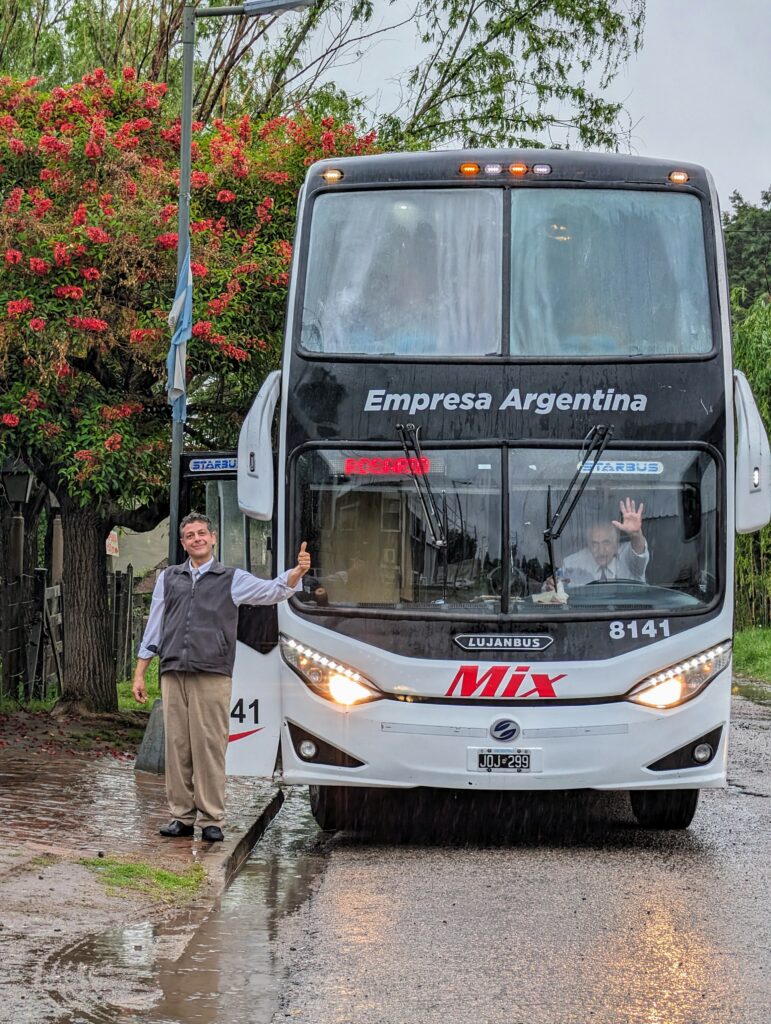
{"points": [[250, 8], [17, 484]]}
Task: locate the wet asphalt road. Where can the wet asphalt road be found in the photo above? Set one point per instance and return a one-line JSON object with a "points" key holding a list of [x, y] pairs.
{"points": [[572, 915]]}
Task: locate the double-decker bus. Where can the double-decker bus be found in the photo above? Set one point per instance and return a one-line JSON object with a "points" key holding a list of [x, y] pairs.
{"points": [[512, 436]]}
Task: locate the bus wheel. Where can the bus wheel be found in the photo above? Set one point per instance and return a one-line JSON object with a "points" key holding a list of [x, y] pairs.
{"points": [[334, 807], [672, 808]]}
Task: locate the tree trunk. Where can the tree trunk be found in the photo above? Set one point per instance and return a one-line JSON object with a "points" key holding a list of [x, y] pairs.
{"points": [[88, 670]]}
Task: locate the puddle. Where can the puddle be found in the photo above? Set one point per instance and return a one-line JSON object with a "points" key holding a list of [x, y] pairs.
{"points": [[226, 971], [754, 690]]}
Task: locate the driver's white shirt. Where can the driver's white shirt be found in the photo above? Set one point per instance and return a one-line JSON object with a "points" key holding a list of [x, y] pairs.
{"points": [[581, 567]]}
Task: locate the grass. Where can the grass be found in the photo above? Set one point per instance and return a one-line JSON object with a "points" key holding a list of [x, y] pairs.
{"points": [[752, 654], [136, 876], [127, 703]]}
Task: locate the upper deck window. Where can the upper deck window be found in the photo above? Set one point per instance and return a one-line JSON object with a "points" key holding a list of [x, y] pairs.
{"points": [[601, 272], [405, 272]]}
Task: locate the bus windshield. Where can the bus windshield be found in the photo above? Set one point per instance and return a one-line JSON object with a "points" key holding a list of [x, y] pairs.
{"points": [[373, 546], [372, 542], [593, 273]]}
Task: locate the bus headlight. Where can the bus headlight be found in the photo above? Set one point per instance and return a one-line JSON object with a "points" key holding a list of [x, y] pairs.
{"points": [[328, 678], [679, 683]]}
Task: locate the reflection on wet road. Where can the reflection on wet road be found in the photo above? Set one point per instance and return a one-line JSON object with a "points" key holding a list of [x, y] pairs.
{"points": [[568, 916], [565, 912], [227, 972]]}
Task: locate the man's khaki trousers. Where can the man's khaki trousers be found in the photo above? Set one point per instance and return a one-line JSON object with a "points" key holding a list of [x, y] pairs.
{"points": [[196, 720]]}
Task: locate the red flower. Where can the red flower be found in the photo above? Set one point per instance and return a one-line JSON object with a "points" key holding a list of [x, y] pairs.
{"points": [[113, 442], [19, 306], [13, 202], [98, 235], [37, 323], [91, 273], [202, 329], [198, 269], [13, 256], [167, 241], [168, 212], [200, 179], [79, 216], [129, 74], [63, 369], [141, 334], [32, 400], [17, 146], [88, 323], [10, 420], [61, 256], [40, 207], [38, 266], [68, 291], [225, 196], [85, 454], [50, 429], [93, 150]]}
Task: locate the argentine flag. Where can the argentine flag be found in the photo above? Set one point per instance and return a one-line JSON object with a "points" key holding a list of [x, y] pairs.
{"points": [[181, 323]]}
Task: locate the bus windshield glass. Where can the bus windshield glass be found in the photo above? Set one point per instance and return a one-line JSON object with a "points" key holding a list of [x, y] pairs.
{"points": [[594, 273], [644, 534], [371, 534], [405, 273], [601, 272]]}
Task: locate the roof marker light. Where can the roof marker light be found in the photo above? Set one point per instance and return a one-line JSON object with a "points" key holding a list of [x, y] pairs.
{"points": [[678, 177], [332, 175], [518, 169], [469, 169], [541, 169], [493, 168]]}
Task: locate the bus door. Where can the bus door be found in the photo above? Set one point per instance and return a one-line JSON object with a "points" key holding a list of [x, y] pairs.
{"points": [[209, 485]]}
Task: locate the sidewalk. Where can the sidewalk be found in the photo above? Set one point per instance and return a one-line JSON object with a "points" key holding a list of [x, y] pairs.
{"points": [[76, 807]]}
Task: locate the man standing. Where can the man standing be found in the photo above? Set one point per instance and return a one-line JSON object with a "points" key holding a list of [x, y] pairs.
{"points": [[192, 628]]}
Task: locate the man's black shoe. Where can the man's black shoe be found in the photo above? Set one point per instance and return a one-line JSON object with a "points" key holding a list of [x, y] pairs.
{"points": [[176, 828], [212, 834]]}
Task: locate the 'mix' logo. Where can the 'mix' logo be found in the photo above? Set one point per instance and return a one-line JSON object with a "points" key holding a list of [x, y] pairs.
{"points": [[503, 681]]}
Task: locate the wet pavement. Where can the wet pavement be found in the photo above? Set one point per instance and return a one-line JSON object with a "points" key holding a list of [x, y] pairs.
{"points": [[565, 912], [80, 807]]}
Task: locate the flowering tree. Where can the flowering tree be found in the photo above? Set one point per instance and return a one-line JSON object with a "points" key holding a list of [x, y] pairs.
{"points": [[88, 206]]}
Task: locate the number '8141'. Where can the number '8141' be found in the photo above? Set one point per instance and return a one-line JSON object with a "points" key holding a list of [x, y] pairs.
{"points": [[637, 629]]}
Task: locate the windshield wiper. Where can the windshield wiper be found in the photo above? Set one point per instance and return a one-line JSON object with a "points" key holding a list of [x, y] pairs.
{"points": [[411, 444], [595, 443]]}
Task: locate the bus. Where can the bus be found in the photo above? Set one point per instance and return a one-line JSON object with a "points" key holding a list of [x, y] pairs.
{"points": [[510, 431]]}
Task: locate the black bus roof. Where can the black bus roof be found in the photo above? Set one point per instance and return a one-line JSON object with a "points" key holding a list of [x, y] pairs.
{"points": [[443, 166]]}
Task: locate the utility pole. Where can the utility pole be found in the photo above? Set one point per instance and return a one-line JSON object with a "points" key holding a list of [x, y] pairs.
{"points": [[251, 8]]}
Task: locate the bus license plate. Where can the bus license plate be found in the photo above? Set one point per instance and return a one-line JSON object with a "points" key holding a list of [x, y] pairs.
{"points": [[504, 759]]}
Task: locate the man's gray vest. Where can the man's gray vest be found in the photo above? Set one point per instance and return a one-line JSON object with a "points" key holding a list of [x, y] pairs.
{"points": [[199, 621]]}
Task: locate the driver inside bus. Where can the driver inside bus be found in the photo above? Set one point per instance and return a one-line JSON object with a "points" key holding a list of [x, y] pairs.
{"points": [[604, 558]]}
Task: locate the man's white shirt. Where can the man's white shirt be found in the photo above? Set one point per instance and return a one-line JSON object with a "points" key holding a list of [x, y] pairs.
{"points": [[581, 567], [244, 589]]}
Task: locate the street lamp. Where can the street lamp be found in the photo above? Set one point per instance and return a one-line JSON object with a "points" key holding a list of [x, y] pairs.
{"points": [[250, 8], [17, 483]]}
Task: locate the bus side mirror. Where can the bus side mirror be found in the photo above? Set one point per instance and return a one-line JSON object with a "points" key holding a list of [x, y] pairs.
{"points": [[753, 461], [255, 452]]}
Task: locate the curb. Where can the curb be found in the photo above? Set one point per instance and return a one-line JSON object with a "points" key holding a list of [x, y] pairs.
{"points": [[234, 859]]}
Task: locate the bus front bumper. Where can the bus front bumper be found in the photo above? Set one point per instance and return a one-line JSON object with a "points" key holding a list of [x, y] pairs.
{"points": [[589, 746]]}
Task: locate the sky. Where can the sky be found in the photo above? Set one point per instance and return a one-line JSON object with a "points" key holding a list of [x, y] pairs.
{"points": [[699, 91]]}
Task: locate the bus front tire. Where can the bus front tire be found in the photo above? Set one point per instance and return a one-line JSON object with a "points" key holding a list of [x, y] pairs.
{"points": [[673, 808], [335, 807]]}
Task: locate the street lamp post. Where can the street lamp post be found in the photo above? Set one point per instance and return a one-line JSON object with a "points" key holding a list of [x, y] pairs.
{"points": [[250, 8]]}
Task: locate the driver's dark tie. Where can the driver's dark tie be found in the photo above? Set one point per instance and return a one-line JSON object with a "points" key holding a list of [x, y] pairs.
{"points": [[603, 575]]}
